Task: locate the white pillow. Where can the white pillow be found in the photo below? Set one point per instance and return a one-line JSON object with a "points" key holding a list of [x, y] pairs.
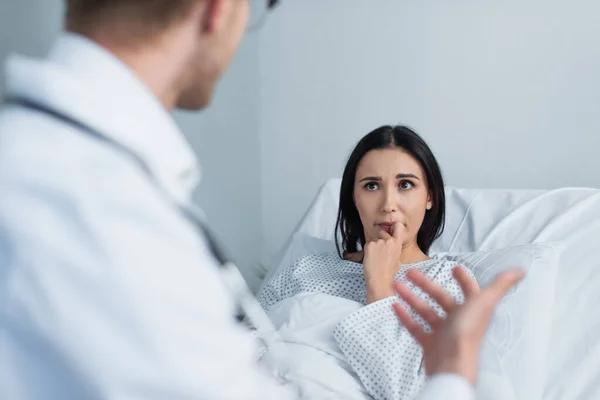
{"points": [[514, 353]]}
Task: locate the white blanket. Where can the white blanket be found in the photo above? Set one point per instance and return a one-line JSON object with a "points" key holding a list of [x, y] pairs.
{"points": [[315, 363]]}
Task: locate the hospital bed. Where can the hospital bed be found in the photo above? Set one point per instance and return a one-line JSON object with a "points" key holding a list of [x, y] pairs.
{"points": [[545, 339]]}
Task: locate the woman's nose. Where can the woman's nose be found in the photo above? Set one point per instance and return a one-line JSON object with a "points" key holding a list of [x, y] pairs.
{"points": [[390, 204]]}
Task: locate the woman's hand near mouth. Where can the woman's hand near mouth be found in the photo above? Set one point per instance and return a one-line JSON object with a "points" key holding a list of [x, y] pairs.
{"points": [[382, 260]]}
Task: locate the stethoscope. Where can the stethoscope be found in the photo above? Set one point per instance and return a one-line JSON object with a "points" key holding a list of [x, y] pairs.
{"points": [[250, 310]]}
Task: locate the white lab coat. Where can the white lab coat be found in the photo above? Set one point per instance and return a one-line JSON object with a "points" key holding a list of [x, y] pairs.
{"points": [[107, 291]]}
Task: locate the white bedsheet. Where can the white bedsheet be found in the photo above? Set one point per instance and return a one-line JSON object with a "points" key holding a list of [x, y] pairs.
{"points": [[306, 323]]}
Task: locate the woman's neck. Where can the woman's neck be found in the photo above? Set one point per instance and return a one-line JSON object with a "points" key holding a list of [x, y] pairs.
{"points": [[412, 254]]}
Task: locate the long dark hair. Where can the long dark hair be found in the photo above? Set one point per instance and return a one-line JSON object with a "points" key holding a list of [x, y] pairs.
{"points": [[348, 224]]}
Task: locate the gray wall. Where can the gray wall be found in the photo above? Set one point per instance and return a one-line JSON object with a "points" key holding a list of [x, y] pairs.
{"points": [[507, 93]]}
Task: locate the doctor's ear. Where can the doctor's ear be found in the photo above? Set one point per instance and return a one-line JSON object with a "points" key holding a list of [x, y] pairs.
{"points": [[210, 13], [429, 203]]}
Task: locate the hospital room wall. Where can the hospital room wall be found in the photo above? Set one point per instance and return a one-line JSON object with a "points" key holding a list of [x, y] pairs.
{"points": [[224, 137], [507, 93]]}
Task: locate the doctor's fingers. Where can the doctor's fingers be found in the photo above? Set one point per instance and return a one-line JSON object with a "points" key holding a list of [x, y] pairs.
{"points": [[468, 284], [434, 291], [410, 324], [419, 306], [501, 285]]}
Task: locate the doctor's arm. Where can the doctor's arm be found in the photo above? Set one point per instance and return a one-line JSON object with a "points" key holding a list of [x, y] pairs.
{"points": [[103, 305], [451, 349]]}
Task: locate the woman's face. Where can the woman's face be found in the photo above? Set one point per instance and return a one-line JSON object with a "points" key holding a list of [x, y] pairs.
{"points": [[390, 187]]}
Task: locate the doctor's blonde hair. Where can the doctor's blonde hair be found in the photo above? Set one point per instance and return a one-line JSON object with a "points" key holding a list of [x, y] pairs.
{"points": [[144, 18]]}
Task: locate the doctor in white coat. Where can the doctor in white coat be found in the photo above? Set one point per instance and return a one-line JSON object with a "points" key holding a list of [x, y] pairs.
{"points": [[108, 289]]}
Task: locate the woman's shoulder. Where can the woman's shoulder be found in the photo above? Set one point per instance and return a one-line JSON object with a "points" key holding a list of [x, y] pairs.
{"points": [[312, 264], [449, 263], [439, 268], [320, 260], [440, 271], [440, 262]]}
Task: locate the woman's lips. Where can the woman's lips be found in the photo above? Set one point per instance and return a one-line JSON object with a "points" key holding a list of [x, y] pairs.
{"points": [[386, 226]]}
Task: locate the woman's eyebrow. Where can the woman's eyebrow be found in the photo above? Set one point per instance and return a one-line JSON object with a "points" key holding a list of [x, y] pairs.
{"points": [[400, 176]]}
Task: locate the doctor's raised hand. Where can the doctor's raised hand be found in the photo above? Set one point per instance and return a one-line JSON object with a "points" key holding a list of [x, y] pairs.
{"points": [[452, 345], [382, 261]]}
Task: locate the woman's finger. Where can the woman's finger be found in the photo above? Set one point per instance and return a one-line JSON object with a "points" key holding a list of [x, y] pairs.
{"points": [[398, 230], [434, 291], [411, 326], [420, 306], [485, 302], [468, 285], [384, 235]]}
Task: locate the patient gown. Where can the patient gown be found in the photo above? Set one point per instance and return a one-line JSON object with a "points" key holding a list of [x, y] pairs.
{"points": [[383, 354]]}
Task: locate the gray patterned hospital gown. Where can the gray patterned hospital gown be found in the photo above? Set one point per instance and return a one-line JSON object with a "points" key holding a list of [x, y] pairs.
{"points": [[383, 354]]}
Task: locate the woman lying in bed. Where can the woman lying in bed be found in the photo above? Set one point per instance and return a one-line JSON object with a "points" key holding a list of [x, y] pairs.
{"points": [[391, 210]]}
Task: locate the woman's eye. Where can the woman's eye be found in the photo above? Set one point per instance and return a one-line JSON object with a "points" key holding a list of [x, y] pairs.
{"points": [[406, 185], [371, 186]]}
